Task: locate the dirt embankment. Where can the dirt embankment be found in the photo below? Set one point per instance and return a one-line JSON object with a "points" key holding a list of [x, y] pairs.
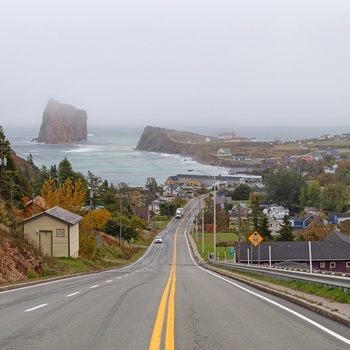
{"points": [[16, 260]]}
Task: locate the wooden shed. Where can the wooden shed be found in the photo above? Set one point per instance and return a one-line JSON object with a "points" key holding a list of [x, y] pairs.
{"points": [[55, 232]]}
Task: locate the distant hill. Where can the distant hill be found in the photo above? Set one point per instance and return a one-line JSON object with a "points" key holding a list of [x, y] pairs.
{"points": [[203, 148]]}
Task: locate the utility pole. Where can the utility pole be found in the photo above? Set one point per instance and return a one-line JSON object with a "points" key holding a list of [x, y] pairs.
{"points": [[121, 217], [239, 233], [91, 200], [33, 209], [121, 220], [202, 230]]}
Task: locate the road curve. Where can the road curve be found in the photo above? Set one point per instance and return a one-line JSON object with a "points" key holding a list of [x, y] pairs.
{"points": [[163, 301]]}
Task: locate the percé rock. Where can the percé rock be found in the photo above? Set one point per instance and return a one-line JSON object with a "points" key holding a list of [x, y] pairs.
{"points": [[62, 123]]}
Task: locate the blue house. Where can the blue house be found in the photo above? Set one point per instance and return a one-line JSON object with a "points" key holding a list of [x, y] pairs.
{"points": [[336, 217], [300, 222]]}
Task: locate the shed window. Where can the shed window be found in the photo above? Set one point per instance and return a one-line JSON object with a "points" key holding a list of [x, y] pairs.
{"points": [[322, 265], [332, 265], [60, 232]]}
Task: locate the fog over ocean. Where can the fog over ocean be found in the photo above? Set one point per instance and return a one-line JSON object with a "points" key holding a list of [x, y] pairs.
{"points": [[110, 151]]}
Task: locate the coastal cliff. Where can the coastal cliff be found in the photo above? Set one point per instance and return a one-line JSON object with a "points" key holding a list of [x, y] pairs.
{"points": [[199, 147], [62, 123]]}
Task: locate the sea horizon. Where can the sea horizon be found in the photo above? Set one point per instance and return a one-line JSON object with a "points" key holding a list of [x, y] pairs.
{"points": [[110, 151]]}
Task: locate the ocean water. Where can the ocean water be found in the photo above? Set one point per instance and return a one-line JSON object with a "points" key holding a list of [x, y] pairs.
{"points": [[109, 152]]}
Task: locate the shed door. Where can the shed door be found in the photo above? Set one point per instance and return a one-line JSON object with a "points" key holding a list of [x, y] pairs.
{"points": [[45, 241]]}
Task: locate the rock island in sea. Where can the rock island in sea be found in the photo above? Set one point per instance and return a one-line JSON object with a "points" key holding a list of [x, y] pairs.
{"points": [[62, 123]]}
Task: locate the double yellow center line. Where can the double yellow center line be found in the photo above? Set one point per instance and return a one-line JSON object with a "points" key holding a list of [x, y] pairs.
{"points": [[167, 303]]}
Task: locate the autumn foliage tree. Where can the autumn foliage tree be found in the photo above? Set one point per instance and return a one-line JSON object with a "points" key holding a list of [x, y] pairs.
{"points": [[69, 195], [318, 231], [49, 192], [98, 218]]}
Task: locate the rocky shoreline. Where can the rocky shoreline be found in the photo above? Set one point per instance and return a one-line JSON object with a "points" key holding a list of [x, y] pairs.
{"points": [[155, 139]]}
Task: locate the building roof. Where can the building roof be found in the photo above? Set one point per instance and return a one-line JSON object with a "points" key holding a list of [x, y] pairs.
{"points": [[172, 187], [59, 214], [38, 201], [333, 214], [222, 199], [338, 237], [303, 218], [141, 212], [327, 250]]}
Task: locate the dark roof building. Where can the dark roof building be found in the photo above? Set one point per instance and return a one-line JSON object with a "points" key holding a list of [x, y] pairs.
{"points": [[331, 254]]}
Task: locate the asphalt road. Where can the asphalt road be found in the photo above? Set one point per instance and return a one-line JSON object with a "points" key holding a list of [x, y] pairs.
{"points": [[163, 301]]}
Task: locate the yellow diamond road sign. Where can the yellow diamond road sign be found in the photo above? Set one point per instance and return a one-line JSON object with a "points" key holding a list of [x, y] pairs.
{"points": [[255, 238]]}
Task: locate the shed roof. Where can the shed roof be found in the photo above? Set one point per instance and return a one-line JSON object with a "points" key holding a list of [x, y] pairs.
{"points": [[59, 214]]}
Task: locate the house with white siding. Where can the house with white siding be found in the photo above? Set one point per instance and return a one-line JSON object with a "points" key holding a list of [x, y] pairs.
{"points": [[224, 152]]}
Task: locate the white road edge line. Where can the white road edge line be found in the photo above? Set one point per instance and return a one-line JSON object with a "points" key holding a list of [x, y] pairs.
{"points": [[95, 286], [297, 314], [36, 307], [109, 281], [70, 295]]}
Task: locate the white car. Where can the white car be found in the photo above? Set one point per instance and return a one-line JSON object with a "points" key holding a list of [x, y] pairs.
{"points": [[158, 240]]}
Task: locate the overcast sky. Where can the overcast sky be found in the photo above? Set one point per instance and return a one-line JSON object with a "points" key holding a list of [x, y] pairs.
{"points": [[179, 62]]}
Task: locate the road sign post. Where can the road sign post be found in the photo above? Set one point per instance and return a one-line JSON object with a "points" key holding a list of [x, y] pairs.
{"points": [[255, 238]]}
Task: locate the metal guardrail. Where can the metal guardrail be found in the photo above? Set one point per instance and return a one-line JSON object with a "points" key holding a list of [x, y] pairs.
{"points": [[319, 278]]}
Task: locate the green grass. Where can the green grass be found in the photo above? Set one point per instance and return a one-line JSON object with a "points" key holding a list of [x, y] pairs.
{"points": [[209, 243], [72, 265], [330, 293], [185, 137]]}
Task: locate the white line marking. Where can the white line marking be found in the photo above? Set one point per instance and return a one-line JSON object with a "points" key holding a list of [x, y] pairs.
{"points": [[95, 286], [70, 295], [36, 307], [119, 277], [297, 314], [109, 281]]}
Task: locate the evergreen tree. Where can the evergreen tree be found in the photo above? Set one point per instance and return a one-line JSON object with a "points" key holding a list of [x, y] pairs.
{"points": [[40, 178], [263, 227], [112, 227], [256, 212], [65, 171], [241, 192], [13, 184], [285, 231], [167, 209]]}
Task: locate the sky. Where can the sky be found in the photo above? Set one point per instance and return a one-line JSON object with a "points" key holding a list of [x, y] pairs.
{"points": [[180, 63]]}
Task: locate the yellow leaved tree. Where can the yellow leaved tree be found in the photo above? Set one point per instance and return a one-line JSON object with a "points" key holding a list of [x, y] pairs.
{"points": [[69, 195], [96, 219], [49, 192]]}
